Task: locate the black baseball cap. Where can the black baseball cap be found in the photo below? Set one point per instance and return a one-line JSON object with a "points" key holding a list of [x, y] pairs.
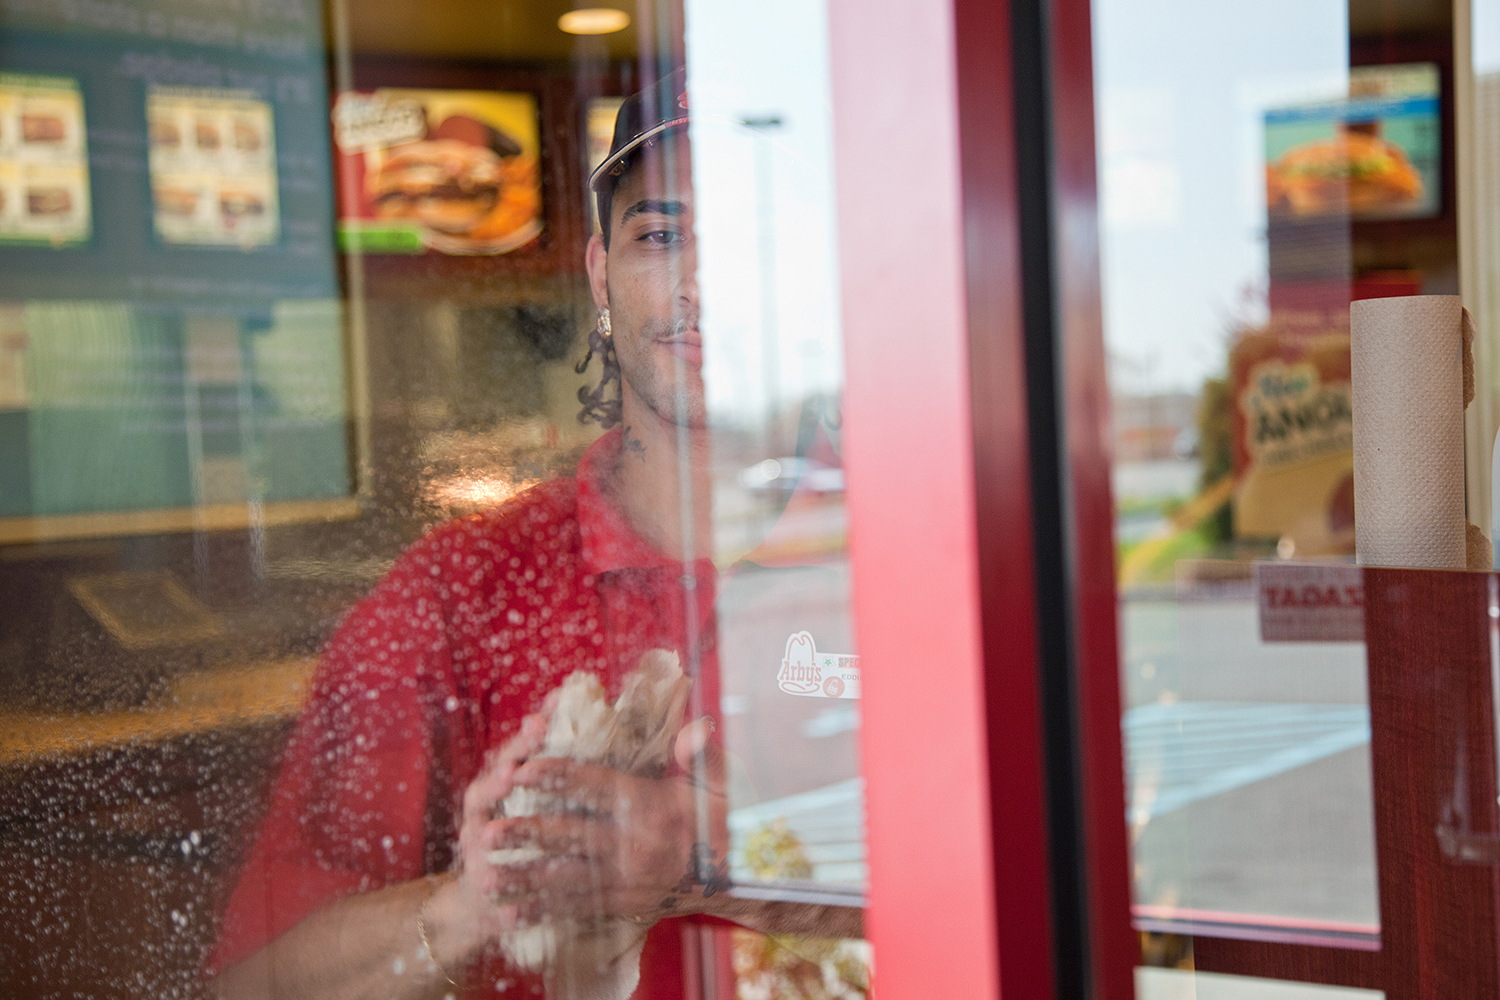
{"points": [[643, 118]]}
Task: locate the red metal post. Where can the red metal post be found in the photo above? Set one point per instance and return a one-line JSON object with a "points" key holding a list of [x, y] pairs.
{"points": [[937, 451], [909, 458], [1113, 947], [1005, 537]]}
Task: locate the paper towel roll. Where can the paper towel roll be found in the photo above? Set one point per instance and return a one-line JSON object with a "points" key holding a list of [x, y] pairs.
{"points": [[1406, 357]]}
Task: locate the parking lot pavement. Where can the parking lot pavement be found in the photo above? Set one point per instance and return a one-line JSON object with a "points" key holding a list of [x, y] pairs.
{"points": [[1182, 752], [1248, 765], [1248, 772]]}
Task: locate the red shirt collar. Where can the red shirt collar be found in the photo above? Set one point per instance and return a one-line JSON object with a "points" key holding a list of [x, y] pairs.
{"points": [[609, 542]]}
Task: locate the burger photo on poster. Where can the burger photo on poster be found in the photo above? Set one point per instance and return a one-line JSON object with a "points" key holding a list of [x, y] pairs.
{"points": [[457, 170]]}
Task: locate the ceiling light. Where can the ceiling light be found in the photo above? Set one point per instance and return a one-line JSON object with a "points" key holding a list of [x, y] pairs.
{"points": [[593, 21]]}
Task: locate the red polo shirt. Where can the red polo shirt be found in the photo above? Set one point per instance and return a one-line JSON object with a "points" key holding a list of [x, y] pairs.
{"points": [[466, 635]]}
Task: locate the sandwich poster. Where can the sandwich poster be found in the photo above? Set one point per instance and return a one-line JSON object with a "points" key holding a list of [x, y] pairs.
{"points": [[44, 162], [445, 171], [213, 167], [1373, 155]]}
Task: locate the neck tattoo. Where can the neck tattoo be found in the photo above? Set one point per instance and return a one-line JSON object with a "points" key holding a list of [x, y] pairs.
{"points": [[634, 445]]}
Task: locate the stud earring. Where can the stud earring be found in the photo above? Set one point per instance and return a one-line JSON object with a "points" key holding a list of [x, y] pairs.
{"points": [[604, 330]]}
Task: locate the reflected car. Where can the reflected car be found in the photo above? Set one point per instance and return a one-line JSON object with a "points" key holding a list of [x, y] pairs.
{"points": [[783, 475]]}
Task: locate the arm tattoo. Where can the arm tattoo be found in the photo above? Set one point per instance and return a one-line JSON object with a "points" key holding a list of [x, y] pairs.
{"points": [[702, 872]]}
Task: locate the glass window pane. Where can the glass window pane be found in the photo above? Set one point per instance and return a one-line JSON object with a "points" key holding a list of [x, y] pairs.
{"points": [[1283, 166], [423, 554]]}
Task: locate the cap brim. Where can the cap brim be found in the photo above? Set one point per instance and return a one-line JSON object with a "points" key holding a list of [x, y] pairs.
{"points": [[614, 159]]}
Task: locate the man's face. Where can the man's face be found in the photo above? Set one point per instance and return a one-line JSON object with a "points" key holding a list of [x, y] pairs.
{"points": [[648, 279]]}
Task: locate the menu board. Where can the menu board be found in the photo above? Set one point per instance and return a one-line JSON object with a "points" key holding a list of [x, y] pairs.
{"points": [[213, 167], [160, 371], [446, 171], [1373, 155], [198, 148], [44, 172]]}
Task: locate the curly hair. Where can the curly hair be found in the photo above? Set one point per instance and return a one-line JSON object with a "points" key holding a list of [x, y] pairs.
{"points": [[599, 403]]}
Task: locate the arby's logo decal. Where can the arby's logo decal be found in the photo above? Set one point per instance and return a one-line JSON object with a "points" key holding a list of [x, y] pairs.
{"points": [[811, 674], [799, 668]]}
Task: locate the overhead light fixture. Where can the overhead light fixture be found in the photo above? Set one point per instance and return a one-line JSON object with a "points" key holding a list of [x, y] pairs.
{"points": [[594, 21]]}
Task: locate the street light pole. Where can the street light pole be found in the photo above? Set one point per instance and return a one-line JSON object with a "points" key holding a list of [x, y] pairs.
{"points": [[765, 208]]}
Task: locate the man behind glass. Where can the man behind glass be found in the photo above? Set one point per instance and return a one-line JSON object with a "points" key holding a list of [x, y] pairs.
{"points": [[371, 874]]}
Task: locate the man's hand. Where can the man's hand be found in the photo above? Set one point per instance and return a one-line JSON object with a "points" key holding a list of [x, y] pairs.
{"points": [[468, 912], [618, 845]]}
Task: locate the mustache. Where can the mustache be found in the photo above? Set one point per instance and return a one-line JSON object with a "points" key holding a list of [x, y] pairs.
{"points": [[678, 328]]}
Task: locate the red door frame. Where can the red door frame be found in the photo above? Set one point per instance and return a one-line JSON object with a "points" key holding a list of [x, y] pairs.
{"points": [[908, 452], [939, 446], [1088, 460]]}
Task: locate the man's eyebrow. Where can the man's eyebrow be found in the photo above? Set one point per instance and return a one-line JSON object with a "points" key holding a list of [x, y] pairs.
{"points": [[653, 206]]}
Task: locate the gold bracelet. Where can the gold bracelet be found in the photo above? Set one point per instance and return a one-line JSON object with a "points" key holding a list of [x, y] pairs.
{"points": [[427, 945]]}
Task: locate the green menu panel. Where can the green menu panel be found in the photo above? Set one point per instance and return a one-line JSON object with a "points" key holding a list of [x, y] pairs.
{"points": [[114, 407]]}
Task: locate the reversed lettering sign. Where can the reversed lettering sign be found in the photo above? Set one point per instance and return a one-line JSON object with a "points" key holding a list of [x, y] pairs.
{"points": [[1291, 416], [1310, 602], [811, 674]]}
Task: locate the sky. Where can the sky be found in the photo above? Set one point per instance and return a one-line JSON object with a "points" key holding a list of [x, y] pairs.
{"points": [[1180, 167], [1486, 35], [1180, 88], [764, 194]]}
